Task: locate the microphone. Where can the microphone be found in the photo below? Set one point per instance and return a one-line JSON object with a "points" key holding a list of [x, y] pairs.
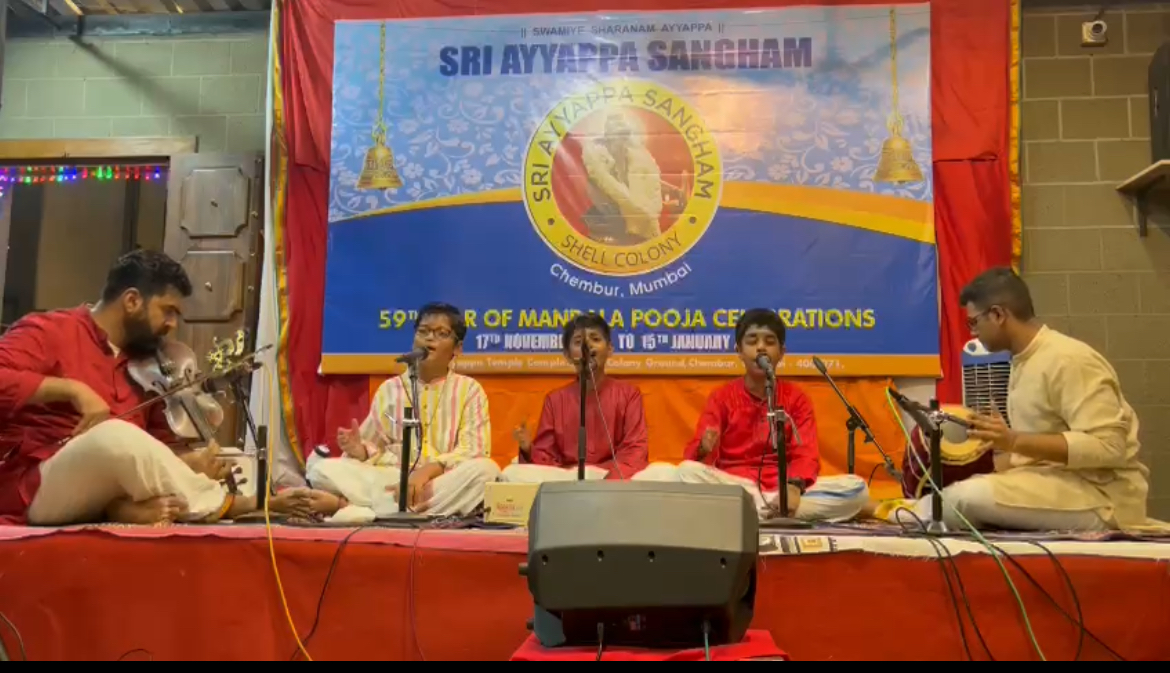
{"points": [[415, 356], [586, 357], [764, 362], [953, 428], [820, 366]]}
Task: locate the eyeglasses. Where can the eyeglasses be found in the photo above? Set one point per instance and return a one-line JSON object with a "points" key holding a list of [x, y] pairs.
{"points": [[973, 321], [439, 334]]}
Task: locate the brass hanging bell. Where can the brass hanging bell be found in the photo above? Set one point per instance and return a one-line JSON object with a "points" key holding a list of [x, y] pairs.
{"points": [[379, 171], [896, 163]]}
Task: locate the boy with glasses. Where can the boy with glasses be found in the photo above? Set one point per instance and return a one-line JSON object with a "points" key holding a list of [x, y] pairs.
{"points": [[454, 464]]}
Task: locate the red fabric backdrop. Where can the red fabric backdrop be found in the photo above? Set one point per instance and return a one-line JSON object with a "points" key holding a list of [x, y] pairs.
{"points": [[971, 96]]}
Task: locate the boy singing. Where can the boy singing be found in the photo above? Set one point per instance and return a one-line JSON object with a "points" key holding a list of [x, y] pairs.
{"points": [[615, 425], [732, 444], [454, 466]]}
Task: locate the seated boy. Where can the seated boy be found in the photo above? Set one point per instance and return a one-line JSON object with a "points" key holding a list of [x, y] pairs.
{"points": [[732, 440], [615, 426], [450, 475]]}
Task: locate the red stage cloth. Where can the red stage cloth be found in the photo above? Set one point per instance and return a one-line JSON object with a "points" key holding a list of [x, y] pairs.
{"points": [[209, 595], [971, 66], [755, 645]]}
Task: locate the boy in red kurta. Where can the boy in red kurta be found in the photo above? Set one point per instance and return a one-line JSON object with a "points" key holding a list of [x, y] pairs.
{"points": [[615, 425], [732, 443]]}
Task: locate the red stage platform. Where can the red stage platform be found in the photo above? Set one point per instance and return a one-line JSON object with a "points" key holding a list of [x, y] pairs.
{"points": [[209, 594]]}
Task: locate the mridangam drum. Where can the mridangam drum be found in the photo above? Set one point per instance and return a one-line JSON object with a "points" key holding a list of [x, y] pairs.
{"points": [[961, 460]]}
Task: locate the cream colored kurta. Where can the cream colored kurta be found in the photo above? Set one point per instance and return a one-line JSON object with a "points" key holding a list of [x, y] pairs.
{"points": [[1061, 385]]}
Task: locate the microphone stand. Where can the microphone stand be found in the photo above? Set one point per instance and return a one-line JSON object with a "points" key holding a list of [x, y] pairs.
{"points": [[582, 375], [260, 439], [857, 422], [411, 429], [937, 526], [778, 426], [930, 420]]}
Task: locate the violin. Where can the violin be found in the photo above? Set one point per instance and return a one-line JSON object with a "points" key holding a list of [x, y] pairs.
{"points": [[172, 373]]}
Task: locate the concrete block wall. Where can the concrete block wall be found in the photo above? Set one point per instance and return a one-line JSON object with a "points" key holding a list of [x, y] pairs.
{"points": [[210, 87], [1085, 128]]}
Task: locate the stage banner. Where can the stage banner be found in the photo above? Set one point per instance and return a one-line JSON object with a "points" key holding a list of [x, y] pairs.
{"points": [[667, 170]]}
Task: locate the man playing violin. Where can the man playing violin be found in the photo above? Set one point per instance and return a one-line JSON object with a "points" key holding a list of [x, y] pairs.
{"points": [[449, 475], [1069, 459], [75, 449]]}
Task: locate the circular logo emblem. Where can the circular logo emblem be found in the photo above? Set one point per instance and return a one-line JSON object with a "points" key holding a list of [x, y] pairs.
{"points": [[623, 178]]}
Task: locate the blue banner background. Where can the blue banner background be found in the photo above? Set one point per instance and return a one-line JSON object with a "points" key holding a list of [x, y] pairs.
{"points": [[457, 139]]}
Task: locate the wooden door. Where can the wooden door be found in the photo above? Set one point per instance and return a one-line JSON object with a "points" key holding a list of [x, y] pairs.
{"points": [[215, 230]]}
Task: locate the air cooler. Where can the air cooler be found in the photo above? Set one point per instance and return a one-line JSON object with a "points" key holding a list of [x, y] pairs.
{"points": [[985, 378]]}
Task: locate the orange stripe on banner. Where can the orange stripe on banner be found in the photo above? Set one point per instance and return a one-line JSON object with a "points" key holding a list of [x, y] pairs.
{"points": [[1014, 138], [278, 145], [918, 366], [904, 218], [880, 213]]}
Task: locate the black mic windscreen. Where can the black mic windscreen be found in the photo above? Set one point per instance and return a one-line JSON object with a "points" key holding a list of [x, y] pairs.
{"points": [[820, 366]]}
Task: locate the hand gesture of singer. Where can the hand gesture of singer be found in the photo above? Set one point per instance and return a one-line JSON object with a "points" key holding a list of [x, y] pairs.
{"points": [[520, 433], [708, 443]]}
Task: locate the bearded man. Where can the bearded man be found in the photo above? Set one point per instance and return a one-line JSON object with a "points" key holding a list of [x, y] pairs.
{"points": [[74, 446]]}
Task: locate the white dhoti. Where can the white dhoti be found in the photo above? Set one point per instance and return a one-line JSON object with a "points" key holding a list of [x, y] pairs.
{"points": [[112, 461], [831, 499], [974, 499], [517, 473], [458, 491]]}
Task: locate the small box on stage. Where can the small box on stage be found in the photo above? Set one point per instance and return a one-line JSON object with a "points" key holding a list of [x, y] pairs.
{"points": [[1159, 85], [509, 504], [642, 564]]}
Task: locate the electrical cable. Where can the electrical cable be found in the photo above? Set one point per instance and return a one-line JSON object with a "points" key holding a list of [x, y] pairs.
{"points": [[978, 537], [1076, 599], [605, 424], [411, 608], [15, 632], [1076, 621], [292, 625], [707, 640], [873, 474], [600, 641], [124, 657], [325, 589], [939, 550]]}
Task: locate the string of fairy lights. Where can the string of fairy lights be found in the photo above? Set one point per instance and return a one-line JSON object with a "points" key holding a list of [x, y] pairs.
{"points": [[11, 176]]}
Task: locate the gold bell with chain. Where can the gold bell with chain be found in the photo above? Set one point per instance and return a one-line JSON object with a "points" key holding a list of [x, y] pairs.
{"points": [[896, 163], [379, 171]]}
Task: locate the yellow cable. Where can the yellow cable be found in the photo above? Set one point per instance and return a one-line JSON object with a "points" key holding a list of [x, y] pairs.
{"points": [[276, 569]]}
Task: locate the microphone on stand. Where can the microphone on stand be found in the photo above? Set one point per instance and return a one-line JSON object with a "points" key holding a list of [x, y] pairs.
{"points": [[583, 376], [856, 422], [778, 425], [953, 428], [415, 356], [932, 421], [765, 363]]}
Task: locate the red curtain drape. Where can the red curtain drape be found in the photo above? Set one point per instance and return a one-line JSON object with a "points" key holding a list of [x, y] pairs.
{"points": [[971, 94]]}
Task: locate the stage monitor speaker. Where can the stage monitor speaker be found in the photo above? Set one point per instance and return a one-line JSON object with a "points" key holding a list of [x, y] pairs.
{"points": [[1159, 85], [642, 564]]}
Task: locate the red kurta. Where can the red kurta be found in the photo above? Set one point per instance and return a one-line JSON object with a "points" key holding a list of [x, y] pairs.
{"points": [[621, 409], [65, 344], [742, 421]]}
